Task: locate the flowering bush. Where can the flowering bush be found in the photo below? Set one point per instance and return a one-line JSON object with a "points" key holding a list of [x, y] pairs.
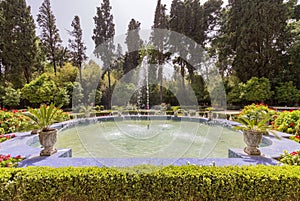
{"points": [[295, 138], [291, 158], [6, 137], [8, 161], [258, 110], [12, 121], [288, 122]]}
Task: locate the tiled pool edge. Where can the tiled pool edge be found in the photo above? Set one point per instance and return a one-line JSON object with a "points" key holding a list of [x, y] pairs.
{"points": [[19, 145]]}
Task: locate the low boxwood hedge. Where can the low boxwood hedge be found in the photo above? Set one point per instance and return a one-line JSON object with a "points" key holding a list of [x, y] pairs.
{"points": [[151, 183]]}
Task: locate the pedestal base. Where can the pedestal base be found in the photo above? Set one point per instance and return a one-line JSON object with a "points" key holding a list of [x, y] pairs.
{"points": [[48, 152], [252, 151]]}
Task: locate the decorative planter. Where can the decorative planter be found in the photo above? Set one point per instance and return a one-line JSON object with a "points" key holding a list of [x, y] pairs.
{"points": [[252, 140], [47, 140], [210, 115]]}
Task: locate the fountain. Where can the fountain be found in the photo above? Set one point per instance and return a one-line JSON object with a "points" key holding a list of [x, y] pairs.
{"points": [[143, 80]]}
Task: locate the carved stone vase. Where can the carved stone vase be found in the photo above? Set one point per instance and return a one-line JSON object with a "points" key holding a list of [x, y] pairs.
{"points": [[47, 140], [252, 140]]}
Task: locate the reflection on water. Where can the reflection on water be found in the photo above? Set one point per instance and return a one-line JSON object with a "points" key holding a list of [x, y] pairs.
{"points": [[147, 139]]}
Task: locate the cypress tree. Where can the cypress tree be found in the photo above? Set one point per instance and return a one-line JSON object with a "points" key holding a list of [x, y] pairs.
{"points": [[104, 32], [50, 38], [76, 45], [160, 22], [133, 42], [18, 42]]}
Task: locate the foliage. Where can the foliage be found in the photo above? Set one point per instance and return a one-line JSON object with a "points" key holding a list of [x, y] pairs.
{"points": [[87, 110], [151, 183], [50, 36], [296, 138], [258, 108], [288, 122], [256, 118], [43, 90], [77, 46], [253, 38], [8, 161], [104, 33], [291, 158], [257, 122], [14, 121], [11, 96], [18, 43], [44, 116], [134, 43], [257, 89], [6, 137], [287, 93]]}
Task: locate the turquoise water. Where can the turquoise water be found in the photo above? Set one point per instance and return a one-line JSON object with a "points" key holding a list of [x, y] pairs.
{"points": [[149, 139]]}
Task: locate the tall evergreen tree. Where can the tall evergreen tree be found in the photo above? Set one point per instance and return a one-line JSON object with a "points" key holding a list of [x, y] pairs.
{"points": [[50, 35], [2, 20], [77, 46], [256, 33], [18, 42], [158, 40], [133, 42], [104, 32]]}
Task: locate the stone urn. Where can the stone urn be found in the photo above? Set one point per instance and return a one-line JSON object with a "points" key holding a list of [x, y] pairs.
{"points": [[209, 115], [252, 139], [47, 140]]}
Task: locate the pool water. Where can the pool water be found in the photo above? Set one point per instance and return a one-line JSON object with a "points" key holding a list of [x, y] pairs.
{"points": [[149, 139]]}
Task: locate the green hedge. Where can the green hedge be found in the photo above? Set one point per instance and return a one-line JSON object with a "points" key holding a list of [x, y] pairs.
{"points": [[151, 183]]}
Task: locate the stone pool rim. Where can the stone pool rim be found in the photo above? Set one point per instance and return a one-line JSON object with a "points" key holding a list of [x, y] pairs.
{"points": [[21, 145]]}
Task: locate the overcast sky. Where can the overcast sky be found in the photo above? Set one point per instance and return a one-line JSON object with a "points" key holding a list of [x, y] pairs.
{"points": [[123, 11]]}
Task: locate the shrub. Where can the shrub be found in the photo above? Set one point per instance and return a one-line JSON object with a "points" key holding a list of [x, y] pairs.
{"points": [[255, 109], [151, 183], [291, 158], [288, 122], [8, 161], [14, 121], [296, 138], [6, 137]]}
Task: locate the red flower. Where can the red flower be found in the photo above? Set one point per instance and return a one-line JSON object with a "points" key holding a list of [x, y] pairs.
{"points": [[294, 153], [18, 157], [292, 124]]}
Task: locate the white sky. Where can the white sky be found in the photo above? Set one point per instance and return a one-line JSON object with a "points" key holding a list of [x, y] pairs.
{"points": [[123, 11]]}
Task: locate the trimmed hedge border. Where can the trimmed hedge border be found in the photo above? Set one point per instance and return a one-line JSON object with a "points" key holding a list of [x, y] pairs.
{"points": [[151, 183]]}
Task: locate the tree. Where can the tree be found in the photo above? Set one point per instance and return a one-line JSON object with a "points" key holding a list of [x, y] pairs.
{"points": [[133, 42], [50, 34], [160, 22], [18, 47], [77, 46], [104, 32], [256, 34], [291, 71]]}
